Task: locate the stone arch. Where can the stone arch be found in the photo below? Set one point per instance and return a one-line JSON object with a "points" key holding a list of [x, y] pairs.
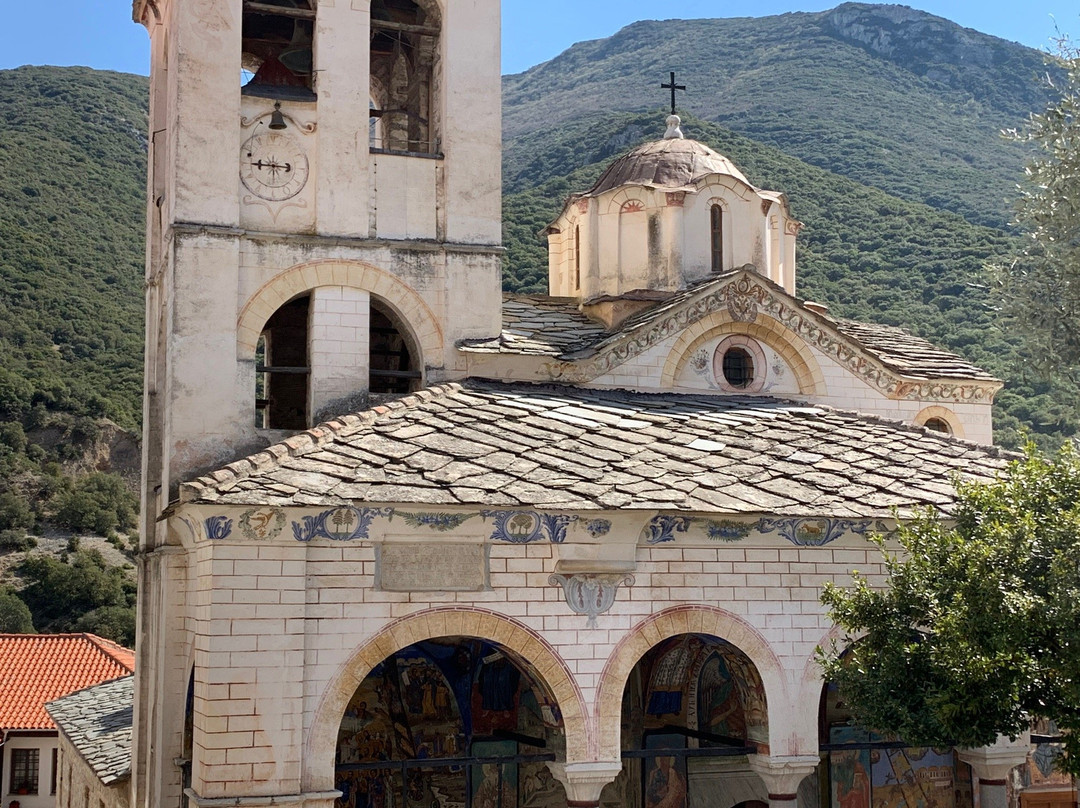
{"points": [[956, 427], [429, 625], [403, 301], [670, 623], [797, 355], [736, 186]]}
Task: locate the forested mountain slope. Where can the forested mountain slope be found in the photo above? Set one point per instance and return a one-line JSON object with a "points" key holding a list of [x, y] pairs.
{"points": [[892, 97]]}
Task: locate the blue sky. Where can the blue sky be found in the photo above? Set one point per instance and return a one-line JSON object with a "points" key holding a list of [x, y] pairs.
{"points": [[99, 33]]}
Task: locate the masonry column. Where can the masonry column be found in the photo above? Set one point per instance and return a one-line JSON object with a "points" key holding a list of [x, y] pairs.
{"points": [[990, 766], [584, 781], [782, 776], [338, 351]]}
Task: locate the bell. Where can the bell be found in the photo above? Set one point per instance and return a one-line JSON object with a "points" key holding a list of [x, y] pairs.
{"points": [[277, 120], [298, 55]]}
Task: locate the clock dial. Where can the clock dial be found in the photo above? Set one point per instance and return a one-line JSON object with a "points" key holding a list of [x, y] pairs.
{"points": [[273, 166]]}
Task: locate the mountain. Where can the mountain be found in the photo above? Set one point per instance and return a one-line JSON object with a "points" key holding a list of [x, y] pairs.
{"points": [[892, 97]]}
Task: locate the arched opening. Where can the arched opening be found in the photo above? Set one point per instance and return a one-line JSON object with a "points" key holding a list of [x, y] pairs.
{"points": [[404, 55], [693, 710], [277, 49], [861, 768], [394, 369], [938, 425], [454, 721], [716, 234], [282, 370]]}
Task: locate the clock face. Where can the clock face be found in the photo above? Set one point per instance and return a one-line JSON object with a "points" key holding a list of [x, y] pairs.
{"points": [[273, 166]]}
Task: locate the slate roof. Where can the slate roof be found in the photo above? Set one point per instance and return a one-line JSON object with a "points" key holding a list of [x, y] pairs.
{"points": [[553, 326], [545, 446], [909, 355], [37, 668], [672, 164], [98, 723]]}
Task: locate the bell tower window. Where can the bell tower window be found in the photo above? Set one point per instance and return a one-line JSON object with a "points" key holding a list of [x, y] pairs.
{"points": [[277, 60], [577, 257], [404, 55], [282, 371], [393, 369], [716, 231]]}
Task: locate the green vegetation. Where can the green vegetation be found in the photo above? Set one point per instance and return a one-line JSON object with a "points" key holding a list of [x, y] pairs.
{"points": [[891, 97], [1040, 282], [14, 615], [867, 255], [975, 634], [79, 593]]}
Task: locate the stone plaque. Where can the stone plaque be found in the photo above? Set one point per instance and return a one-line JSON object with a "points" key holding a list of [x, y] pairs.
{"points": [[432, 567]]}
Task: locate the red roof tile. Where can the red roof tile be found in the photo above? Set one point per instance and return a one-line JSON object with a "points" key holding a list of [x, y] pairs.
{"points": [[37, 668]]}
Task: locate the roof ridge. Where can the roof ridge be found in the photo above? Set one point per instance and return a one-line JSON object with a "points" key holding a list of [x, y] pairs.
{"points": [[310, 440], [102, 644]]}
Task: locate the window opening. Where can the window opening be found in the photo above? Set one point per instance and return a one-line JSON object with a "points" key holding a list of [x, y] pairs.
{"points": [[404, 51], [392, 368], [577, 257], [716, 227], [281, 370], [53, 773], [938, 425], [24, 771], [738, 368], [277, 49]]}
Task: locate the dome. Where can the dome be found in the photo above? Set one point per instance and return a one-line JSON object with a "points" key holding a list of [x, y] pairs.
{"points": [[670, 164]]}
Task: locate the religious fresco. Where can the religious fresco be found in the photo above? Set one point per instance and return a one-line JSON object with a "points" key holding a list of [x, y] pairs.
{"points": [[459, 725], [689, 694], [909, 777]]}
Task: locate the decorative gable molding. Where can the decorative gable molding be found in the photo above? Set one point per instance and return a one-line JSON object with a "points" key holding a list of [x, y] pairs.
{"points": [[747, 297]]}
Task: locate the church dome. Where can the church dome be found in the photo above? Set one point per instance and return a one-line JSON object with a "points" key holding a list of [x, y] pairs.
{"points": [[671, 164]]}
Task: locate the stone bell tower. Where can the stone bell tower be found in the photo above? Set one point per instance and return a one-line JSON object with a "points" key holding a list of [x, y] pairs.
{"points": [[323, 226]]}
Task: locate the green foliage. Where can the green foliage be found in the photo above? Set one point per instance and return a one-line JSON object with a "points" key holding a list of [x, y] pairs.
{"points": [[867, 255], [97, 502], [1040, 284], [891, 97], [15, 541], [977, 630], [62, 594], [14, 615], [72, 191]]}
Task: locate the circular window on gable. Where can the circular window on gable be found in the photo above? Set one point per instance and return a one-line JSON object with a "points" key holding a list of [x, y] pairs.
{"points": [[739, 365]]}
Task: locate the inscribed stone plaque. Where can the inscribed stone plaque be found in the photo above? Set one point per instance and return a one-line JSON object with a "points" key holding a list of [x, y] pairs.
{"points": [[432, 567]]}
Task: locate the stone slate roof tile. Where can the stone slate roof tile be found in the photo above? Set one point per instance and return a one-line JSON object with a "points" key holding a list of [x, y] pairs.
{"points": [[98, 723], [583, 449]]}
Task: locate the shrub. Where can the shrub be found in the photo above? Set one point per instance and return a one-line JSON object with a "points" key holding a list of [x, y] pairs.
{"points": [[98, 502], [14, 614]]}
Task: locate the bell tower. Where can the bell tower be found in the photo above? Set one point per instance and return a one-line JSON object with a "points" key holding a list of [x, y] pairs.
{"points": [[323, 227]]}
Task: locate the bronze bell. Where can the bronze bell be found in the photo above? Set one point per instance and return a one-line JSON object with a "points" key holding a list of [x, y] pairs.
{"points": [[277, 120]]}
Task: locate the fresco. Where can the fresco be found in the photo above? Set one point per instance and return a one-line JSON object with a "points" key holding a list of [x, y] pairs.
{"points": [[441, 714], [912, 777]]}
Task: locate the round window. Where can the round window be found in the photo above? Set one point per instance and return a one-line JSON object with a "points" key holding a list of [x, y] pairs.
{"points": [[738, 367]]}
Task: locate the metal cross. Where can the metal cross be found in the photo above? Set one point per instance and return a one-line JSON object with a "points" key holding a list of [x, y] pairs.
{"points": [[673, 87]]}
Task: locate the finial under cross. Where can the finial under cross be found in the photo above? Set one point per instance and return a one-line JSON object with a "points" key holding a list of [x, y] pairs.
{"points": [[673, 87]]}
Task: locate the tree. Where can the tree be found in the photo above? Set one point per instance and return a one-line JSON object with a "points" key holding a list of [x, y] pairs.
{"points": [[14, 615], [977, 631], [1039, 289]]}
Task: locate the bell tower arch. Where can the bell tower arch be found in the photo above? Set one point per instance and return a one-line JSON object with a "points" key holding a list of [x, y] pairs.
{"points": [[335, 165]]}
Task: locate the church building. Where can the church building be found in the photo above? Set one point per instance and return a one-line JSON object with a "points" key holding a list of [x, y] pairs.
{"points": [[411, 542]]}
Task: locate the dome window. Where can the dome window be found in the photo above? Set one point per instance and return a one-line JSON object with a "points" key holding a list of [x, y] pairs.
{"points": [[716, 229]]}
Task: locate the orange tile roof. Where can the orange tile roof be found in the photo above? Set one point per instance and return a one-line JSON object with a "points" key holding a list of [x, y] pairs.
{"points": [[37, 668]]}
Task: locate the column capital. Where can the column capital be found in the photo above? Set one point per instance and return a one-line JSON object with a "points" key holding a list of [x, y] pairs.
{"points": [[782, 774], [991, 763], [584, 781]]}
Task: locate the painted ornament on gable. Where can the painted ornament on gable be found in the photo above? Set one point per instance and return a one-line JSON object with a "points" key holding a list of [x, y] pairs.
{"points": [[814, 532], [338, 524], [526, 527], [273, 166], [218, 527]]}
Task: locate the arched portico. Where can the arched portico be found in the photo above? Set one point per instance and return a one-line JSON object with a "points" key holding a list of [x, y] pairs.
{"points": [[523, 643], [704, 620]]}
